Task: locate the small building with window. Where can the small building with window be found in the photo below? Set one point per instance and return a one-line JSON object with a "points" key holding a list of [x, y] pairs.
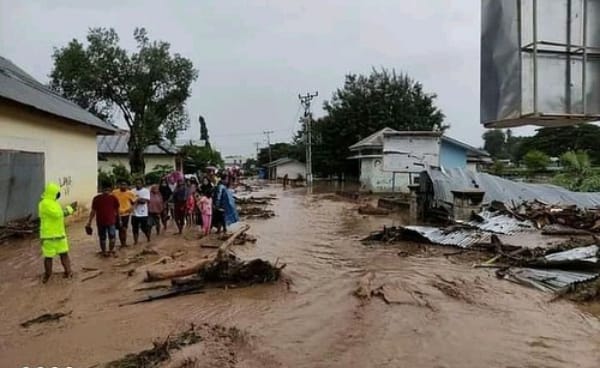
{"points": [[391, 160]]}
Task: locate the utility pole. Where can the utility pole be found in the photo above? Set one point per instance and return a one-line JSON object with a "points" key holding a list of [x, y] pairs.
{"points": [[268, 134], [305, 101], [257, 144]]}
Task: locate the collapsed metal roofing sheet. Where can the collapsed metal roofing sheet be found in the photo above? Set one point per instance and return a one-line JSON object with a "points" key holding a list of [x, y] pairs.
{"points": [[18, 86], [499, 223], [548, 279], [585, 254], [504, 190], [462, 238]]}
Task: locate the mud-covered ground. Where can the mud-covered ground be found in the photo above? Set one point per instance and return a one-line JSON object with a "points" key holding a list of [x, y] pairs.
{"points": [[447, 313]]}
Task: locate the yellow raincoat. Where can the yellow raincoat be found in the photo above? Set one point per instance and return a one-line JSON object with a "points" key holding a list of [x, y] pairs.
{"points": [[52, 222]]}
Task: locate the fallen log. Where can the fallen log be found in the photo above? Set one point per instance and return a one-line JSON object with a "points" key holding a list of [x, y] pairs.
{"points": [[171, 293], [46, 317], [157, 275], [229, 242]]}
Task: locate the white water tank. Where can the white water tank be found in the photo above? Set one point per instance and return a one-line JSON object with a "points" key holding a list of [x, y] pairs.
{"points": [[540, 62]]}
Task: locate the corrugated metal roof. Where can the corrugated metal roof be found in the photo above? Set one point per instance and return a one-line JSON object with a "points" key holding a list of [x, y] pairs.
{"points": [[18, 86], [374, 140], [504, 190], [548, 280], [118, 144], [581, 254], [462, 238], [500, 223]]}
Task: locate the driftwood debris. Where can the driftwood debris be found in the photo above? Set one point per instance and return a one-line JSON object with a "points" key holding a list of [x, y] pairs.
{"points": [[157, 275], [91, 275], [159, 353], [46, 317], [255, 213], [170, 293]]}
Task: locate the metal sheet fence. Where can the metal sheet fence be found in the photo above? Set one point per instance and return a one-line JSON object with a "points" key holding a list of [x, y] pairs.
{"points": [[21, 184]]}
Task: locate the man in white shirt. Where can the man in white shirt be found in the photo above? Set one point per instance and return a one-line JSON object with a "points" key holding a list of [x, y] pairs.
{"points": [[139, 217]]}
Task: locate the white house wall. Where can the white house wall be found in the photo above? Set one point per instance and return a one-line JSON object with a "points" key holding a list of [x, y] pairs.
{"points": [[292, 169], [70, 153], [408, 151], [374, 179]]}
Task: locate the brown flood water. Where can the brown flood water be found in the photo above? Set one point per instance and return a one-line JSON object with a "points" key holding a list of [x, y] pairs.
{"points": [[466, 317]]}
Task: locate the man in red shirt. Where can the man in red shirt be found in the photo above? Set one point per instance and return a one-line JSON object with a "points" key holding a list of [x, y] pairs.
{"points": [[105, 207]]}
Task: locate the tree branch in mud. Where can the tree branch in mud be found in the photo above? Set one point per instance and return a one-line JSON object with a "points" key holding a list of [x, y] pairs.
{"points": [[155, 275], [47, 317]]}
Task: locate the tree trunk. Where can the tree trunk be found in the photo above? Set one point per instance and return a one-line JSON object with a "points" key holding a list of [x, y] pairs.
{"points": [[136, 157]]}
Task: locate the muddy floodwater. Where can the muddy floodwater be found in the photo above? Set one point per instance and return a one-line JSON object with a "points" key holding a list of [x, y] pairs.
{"points": [[460, 317]]}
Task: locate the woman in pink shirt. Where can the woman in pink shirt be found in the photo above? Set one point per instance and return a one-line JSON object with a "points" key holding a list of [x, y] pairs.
{"points": [[206, 212]]}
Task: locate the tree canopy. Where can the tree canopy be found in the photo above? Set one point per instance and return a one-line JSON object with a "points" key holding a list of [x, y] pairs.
{"points": [[364, 105], [556, 141], [197, 158], [148, 88]]}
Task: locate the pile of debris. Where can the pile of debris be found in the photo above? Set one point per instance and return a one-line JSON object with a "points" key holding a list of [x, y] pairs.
{"points": [[554, 219], [255, 213], [160, 352], [222, 269], [570, 269], [255, 207], [19, 228]]}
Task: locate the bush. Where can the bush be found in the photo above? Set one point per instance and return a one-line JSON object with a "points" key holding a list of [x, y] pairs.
{"points": [[536, 161], [120, 173]]}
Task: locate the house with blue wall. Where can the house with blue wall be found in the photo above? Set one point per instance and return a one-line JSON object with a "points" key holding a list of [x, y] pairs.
{"points": [[390, 160]]}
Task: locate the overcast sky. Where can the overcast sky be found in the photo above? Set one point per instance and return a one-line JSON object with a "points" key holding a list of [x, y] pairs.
{"points": [[255, 56]]}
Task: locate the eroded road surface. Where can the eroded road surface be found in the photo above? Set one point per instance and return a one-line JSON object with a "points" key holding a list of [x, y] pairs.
{"points": [[456, 316]]}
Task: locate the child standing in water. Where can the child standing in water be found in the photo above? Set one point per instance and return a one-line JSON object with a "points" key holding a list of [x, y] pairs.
{"points": [[206, 211]]}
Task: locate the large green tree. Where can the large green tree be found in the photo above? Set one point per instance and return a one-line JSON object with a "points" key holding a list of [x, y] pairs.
{"points": [[364, 105], [197, 158], [494, 142], [147, 88]]}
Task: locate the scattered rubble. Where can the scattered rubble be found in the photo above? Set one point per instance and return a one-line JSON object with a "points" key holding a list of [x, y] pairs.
{"points": [[160, 352], [21, 227], [255, 213], [220, 269]]}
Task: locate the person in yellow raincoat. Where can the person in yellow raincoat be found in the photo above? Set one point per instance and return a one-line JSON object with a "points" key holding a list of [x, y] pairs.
{"points": [[52, 230]]}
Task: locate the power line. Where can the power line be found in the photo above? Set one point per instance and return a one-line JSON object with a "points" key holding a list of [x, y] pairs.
{"points": [[305, 101]]}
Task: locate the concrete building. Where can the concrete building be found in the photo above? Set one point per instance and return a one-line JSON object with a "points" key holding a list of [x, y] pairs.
{"points": [[113, 150], [234, 160], [293, 168], [390, 160], [43, 138]]}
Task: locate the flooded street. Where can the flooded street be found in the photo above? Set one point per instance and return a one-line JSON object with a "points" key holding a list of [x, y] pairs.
{"points": [[458, 316]]}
